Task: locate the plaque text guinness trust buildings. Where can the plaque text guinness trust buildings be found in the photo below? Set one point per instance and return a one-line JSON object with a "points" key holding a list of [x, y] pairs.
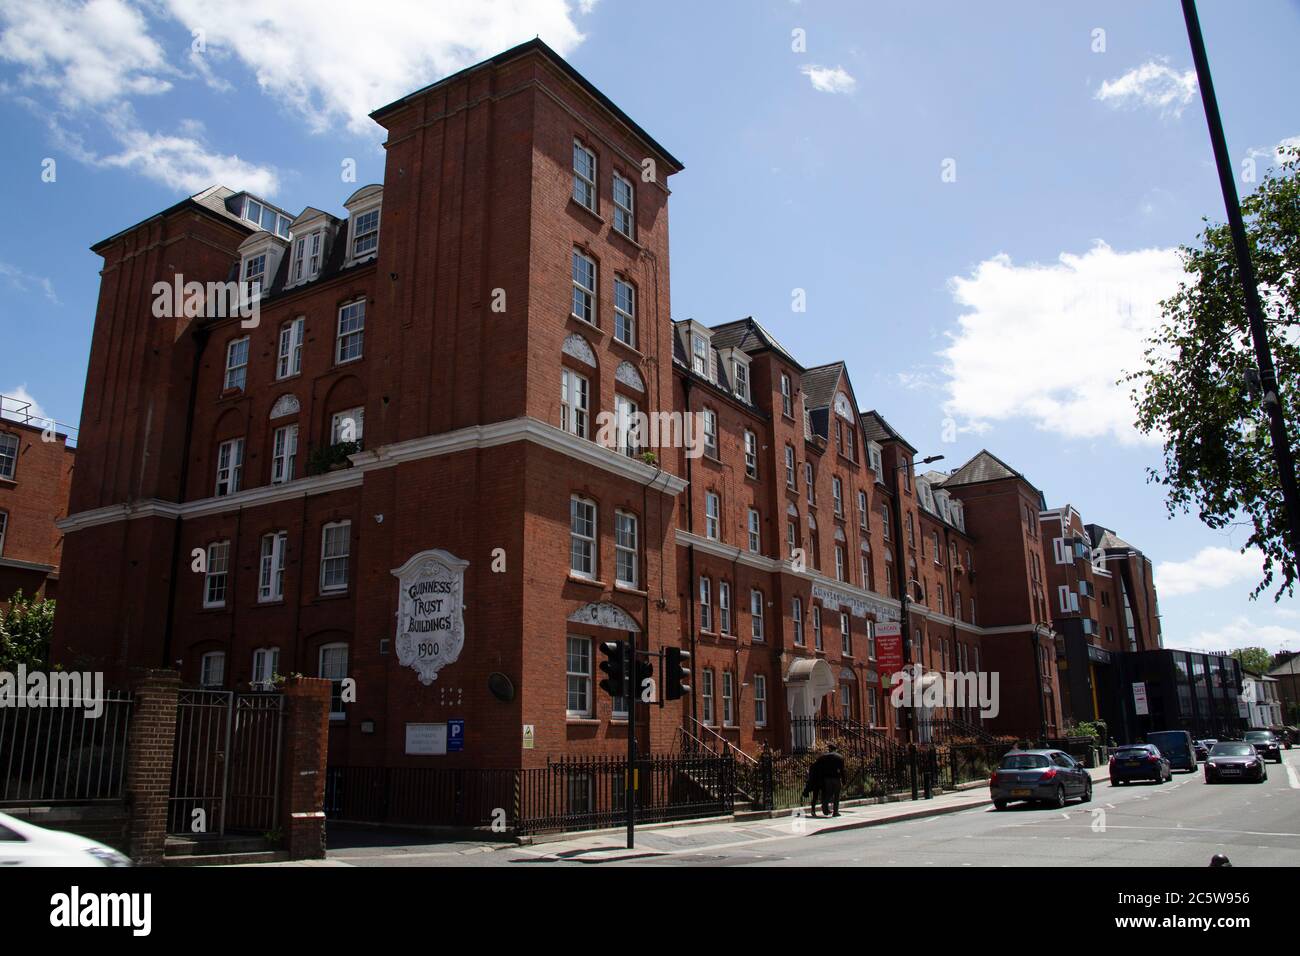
{"points": [[390, 476]]}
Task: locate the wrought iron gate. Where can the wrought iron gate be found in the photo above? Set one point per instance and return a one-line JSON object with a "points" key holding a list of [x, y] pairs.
{"points": [[226, 762]]}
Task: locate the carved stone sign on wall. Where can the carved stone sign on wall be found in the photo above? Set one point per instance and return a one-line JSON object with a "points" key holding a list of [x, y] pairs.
{"points": [[430, 612], [605, 615]]}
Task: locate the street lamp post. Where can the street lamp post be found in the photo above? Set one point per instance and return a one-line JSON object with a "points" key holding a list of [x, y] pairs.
{"points": [[905, 582], [1268, 383]]}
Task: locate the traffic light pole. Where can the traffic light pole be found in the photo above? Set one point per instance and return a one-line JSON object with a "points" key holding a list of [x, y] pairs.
{"points": [[629, 778]]}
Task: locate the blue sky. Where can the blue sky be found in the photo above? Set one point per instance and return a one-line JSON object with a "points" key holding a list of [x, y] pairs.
{"points": [[980, 202]]}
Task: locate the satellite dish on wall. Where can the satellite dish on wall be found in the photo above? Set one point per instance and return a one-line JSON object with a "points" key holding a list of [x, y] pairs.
{"points": [[501, 686]]}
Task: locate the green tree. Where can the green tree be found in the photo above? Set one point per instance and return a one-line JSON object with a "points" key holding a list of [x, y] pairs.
{"points": [[25, 630], [1192, 392], [1253, 658]]}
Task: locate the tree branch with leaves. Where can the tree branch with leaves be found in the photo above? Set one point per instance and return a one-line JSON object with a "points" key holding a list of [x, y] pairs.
{"points": [[1193, 392]]}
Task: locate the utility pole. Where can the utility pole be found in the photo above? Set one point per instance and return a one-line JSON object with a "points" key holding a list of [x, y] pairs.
{"points": [[1272, 397]]}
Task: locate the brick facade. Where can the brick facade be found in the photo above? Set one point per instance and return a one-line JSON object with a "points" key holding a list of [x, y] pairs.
{"points": [[34, 492], [471, 304]]}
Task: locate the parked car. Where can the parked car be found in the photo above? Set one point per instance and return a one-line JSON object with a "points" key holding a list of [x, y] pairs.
{"points": [[1139, 762], [1235, 760], [25, 844], [1176, 746], [1202, 748], [1044, 776], [1266, 743]]}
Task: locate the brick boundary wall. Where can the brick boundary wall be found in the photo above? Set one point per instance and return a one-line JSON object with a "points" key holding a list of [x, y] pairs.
{"points": [[149, 762], [303, 761]]}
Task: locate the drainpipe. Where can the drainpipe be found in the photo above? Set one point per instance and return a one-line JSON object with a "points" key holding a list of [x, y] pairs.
{"points": [[200, 336], [1038, 674]]}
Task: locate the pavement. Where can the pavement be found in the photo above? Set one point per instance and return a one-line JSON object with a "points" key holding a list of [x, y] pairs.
{"points": [[369, 847], [1183, 822]]}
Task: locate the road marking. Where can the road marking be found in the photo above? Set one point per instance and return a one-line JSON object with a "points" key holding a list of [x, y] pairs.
{"points": [[1179, 829], [1292, 777]]}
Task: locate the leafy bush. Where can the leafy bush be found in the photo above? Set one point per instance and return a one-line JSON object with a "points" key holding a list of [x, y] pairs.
{"points": [[25, 630]]}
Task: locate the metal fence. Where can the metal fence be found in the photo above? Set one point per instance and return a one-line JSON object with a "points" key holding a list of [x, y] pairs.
{"points": [[570, 793], [899, 772], [60, 753], [226, 762]]}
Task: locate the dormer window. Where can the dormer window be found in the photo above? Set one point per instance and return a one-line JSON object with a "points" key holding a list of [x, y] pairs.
{"points": [[740, 377], [306, 257], [365, 233], [264, 217], [700, 355], [363, 208], [873, 453], [255, 274]]}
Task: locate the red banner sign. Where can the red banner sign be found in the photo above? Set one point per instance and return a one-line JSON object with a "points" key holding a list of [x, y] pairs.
{"points": [[889, 649]]}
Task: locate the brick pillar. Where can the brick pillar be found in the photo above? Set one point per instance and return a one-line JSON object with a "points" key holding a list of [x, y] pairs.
{"points": [[149, 762], [305, 748]]}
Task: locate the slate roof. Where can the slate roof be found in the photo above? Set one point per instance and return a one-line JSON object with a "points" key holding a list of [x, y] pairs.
{"points": [[211, 200], [749, 336], [877, 429], [985, 466], [819, 385]]}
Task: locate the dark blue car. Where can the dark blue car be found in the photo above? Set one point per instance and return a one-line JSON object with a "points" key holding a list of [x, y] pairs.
{"points": [[1138, 762]]}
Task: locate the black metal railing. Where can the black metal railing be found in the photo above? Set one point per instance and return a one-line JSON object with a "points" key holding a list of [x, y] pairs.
{"points": [[63, 752], [911, 772], [569, 793]]}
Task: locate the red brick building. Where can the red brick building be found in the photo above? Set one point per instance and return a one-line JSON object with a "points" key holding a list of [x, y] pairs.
{"points": [[399, 475], [1103, 599], [35, 476], [1010, 584]]}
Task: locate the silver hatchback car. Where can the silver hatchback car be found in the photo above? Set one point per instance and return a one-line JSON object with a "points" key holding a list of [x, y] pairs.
{"points": [[1039, 776]]}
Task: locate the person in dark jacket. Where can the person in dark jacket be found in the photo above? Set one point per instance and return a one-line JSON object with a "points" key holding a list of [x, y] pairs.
{"points": [[828, 771], [813, 786]]}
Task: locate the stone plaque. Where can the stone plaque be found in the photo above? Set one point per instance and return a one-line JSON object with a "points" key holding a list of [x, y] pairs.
{"points": [[430, 618]]}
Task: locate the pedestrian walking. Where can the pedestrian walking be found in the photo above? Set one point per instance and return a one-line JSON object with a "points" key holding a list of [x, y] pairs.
{"points": [[813, 785], [828, 769]]}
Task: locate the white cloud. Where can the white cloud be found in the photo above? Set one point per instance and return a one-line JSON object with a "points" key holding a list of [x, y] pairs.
{"points": [[325, 63], [186, 163], [1209, 568], [1048, 343], [1241, 632], [328, 64], [1155, 85], [19, 406], [1275, 154], [22, 281], [85, 54], [828, 79]]}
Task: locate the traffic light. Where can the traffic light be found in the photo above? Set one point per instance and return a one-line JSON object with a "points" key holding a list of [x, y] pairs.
{"points": [[613, 666], [645, 690], [677, 673]]}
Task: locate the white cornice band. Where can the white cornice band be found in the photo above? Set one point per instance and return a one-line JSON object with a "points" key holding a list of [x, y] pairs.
{"points": [[892, 608], [386, 456]]}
